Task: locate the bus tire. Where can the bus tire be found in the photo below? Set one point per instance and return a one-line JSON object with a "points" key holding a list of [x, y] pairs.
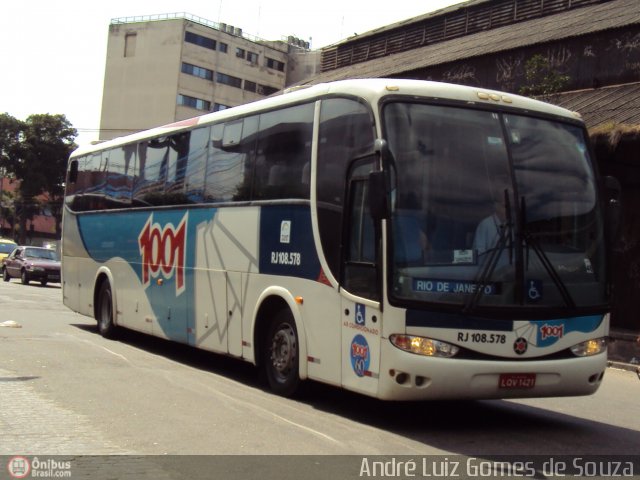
{"points": [[104, 311], [281, 355]]}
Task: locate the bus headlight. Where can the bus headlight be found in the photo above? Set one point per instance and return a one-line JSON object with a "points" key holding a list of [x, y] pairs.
{"points": [[590, 347], [423, 346]]}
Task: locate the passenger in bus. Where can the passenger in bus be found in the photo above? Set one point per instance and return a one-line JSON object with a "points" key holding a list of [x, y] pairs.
{"points": [[492, 227]]}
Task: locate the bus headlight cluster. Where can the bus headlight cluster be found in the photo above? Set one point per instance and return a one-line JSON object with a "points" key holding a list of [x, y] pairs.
{"points": [[590, 347], [423, 346]]}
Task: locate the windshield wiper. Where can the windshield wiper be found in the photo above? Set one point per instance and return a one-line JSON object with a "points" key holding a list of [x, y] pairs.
{"points": [[480, 282], [531, 241]]}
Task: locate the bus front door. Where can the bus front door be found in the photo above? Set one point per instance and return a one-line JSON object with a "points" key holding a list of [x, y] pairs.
{"points": [[360, 286]]}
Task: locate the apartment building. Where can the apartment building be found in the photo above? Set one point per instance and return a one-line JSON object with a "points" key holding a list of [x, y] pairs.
{"points": [[165, 68]]}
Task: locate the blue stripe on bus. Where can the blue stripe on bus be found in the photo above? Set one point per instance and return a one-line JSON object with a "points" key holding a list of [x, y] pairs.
{"points": [[108, 236], [286, 248]]}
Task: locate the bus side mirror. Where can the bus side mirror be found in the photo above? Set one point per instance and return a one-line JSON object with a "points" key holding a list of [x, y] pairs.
{"points": [[378, 204], [73, 172], [378, 191], [613, 208]]}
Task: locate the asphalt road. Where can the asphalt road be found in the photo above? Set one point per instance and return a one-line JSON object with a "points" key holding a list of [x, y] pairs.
{"points": [[66, 390]]}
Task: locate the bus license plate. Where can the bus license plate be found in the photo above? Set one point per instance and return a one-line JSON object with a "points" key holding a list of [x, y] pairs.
{"points": [[517, 380]]}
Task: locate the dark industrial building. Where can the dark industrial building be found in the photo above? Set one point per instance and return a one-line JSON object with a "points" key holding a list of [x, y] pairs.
{"points": [[593, 45]]}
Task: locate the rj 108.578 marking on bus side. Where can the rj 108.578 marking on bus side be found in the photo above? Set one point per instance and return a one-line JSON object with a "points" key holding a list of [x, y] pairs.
{"points": [[286, 258]]}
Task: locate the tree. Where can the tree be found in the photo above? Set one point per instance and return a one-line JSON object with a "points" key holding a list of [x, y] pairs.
{"points": [[35, 152], [542, 79], [10, 135], [7, 209]]}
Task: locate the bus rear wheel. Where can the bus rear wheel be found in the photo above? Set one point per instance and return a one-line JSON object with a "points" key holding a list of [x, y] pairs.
{"points": [[104, 311], [281, 355]]}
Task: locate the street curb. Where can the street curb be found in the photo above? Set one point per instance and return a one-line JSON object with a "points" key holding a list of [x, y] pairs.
{"points": [[624, 366]]}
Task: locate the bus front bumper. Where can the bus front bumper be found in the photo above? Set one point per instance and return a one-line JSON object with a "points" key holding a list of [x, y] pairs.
{"points": [[407, 376]]}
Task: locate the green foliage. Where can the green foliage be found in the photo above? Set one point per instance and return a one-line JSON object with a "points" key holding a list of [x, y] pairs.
{"points": [[35, 152], [542, 79], [10, 137]]}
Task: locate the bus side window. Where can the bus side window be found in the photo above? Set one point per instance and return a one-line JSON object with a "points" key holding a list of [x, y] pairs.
{"points": [[360, 272], [74, 188], [284, 148], [230, 161], [119, 180], [89, 188], [195, 168], [346, 132], [177, 158], [161, 170], [151, 172]]}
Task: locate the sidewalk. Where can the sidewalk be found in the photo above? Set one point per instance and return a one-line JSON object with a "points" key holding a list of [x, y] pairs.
{"points": [[624, 349]]}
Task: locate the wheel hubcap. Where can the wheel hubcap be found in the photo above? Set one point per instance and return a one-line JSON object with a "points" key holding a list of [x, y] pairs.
{"points": [[283, 350]]}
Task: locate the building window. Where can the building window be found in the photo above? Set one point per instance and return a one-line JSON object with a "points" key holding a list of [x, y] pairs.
{"points": [[252, 57], [223, 47], [275, 64], [197, 71], [130, 44], [267, 90], [219, 106], [229, 80], [240, 52], [250, 86], [194, 102], [200, 40]]}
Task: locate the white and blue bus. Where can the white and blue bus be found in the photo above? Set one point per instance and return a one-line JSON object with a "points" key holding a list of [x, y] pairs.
{"points": [[403, 239]]}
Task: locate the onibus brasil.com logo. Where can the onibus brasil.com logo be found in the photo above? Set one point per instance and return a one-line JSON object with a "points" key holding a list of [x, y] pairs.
{"points": [[22, 467]]}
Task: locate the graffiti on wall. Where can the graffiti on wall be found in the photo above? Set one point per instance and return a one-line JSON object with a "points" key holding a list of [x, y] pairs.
{"points": [[602, 58], [507, 70], [462, 74]]}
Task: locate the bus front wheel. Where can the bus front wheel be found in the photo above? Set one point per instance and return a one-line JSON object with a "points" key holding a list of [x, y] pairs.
{"points": [[104, 311], [281, 354]]}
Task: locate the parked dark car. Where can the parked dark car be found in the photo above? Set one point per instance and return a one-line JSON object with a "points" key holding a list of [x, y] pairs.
{"points": [[32, 263]]}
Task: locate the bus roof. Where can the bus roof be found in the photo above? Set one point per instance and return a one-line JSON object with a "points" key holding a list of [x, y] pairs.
{"points": [[371, 89]]}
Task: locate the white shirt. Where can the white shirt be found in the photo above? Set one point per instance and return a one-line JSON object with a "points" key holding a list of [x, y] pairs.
{"points": [[487, 234]]}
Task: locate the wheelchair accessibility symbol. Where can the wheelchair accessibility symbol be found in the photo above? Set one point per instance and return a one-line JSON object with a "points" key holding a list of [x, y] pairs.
{"points": [[534, 290], [360, 314]]}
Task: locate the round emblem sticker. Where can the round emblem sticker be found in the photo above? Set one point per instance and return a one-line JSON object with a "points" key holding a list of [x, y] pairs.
{"points": [[520, 345], [360, 355]]}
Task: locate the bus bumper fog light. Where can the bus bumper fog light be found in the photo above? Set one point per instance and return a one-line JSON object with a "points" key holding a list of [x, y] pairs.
{"points": [[590, 347], [424, 346]]}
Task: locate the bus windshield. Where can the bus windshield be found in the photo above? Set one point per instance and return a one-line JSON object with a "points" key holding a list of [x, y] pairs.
{"points": [[492, 209]]}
